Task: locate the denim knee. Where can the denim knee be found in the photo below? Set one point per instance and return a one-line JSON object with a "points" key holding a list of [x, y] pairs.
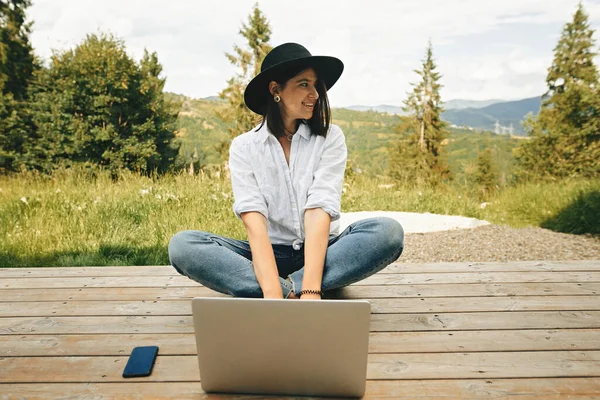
{"points": [[392, 232], [178, 247]]}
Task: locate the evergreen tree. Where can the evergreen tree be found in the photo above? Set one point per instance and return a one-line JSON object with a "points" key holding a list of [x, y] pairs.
{"points": [[257, 33], [158, 113], [17, 65], [485, 174], [418, 153], [565, 136], [95, 105]]}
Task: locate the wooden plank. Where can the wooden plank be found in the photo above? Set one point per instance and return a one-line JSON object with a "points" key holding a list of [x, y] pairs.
{"points": [[377, 279], [493, 365], [100, 282], [394, 268], [379, 322], [94, 369], [528, 389], [485, 321], [379, 342], [49, 272], [471, 290], [175, 293], [509, 266], [545, 364], [484, 341], [349, 292], [378, 306]]}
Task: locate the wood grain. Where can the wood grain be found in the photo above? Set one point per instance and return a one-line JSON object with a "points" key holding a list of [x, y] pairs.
{"points": [[545, 364], [528, 330], [529, 389], [379, 342], [394, 268], [378, 306], [349, 292], [377, 279], [379, 322]]}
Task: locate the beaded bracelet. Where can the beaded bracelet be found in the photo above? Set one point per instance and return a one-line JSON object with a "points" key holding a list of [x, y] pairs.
{"points": [[310, 291]]}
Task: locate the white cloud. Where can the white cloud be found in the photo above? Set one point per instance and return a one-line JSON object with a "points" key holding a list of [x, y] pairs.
{"points": [[529, 65], [381, 41]]}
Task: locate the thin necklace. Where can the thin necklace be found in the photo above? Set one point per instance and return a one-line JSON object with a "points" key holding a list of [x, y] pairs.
{"points": [[289, 136]]}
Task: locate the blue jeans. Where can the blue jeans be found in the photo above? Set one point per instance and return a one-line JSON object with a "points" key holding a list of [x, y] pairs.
{"points": [[225, 265]]}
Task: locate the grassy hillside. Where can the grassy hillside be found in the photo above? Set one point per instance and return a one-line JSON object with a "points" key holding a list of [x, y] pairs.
{"points": [[368, 135], [199, 128]]}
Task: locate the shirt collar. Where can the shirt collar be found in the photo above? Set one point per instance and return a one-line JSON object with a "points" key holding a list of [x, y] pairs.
{"points": [[264, 133], [304, 131]]}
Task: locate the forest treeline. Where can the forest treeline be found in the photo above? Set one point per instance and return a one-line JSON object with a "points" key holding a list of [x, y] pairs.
{"points": [[93, 106]]}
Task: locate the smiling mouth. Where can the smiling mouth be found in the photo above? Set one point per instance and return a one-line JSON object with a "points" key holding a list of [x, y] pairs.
{"points": [[309, 105]]}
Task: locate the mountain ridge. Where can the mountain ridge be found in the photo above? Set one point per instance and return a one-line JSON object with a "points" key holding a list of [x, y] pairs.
{"points": [[499, 116]]}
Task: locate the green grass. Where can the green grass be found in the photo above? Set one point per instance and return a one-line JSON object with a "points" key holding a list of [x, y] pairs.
{"points": [[570, 206], [72, 219]]}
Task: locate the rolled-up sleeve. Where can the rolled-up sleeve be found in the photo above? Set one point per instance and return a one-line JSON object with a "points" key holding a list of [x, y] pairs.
{"points": [[326, 189], [247, 195]]}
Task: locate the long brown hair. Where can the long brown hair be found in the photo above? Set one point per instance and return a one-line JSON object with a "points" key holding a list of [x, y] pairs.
{"points": [[319, 122]]}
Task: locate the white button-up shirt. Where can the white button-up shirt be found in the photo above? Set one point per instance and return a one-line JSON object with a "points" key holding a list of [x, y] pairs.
{"points": [[262, 181]]}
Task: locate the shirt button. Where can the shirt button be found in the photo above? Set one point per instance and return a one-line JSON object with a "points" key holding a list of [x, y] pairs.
{"points": [[297, 245]]}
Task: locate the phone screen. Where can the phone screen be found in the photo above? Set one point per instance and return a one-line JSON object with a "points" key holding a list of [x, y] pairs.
{"points": [[140, 361]]}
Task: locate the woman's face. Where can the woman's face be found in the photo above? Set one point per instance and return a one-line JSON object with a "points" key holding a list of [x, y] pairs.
{"points": [[299, 96]]}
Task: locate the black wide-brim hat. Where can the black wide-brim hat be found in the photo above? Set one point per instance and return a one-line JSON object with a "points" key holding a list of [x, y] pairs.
{"points": [[288, 55]]}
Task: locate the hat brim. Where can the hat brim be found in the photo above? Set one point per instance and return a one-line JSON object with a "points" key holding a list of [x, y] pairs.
{"points": [[329, 69]]}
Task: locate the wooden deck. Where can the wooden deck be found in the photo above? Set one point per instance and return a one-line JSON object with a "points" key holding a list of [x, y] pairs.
{"points": [[451, 330]]}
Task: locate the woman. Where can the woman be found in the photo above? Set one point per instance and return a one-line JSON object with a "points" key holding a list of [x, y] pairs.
{"points": [[287, 176]]}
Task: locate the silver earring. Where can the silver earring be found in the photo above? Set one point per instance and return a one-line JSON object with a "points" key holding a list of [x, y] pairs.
{"points": [[277, 98]]}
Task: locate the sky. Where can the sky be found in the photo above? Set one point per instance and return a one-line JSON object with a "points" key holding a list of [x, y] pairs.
{"points": [[484, 49]]}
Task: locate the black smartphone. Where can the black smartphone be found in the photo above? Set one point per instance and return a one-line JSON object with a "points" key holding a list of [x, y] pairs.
{"points": [[140, 361]]}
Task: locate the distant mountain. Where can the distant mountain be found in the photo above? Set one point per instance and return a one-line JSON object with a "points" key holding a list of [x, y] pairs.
{"points": [[460, 103], [449, 105], [499, 116], [213, 98], [494, 115]]}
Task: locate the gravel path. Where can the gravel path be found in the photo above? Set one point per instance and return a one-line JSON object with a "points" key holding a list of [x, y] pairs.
{"points": [[498, 243]]}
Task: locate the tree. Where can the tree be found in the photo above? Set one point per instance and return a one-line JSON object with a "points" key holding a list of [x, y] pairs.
{"points": [[486, 177], [418, 152], [565, 136], [257, 33], [95, 105], [17, 65], [158, 114]]}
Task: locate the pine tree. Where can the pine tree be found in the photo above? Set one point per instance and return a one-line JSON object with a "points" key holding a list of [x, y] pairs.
{"points": [[486, 177], [565, 136], [17, 66], [160, 115], [418, 153], [257, 33]]}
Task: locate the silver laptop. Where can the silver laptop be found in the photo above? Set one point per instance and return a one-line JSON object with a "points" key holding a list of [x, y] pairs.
{"points": [[287, 347]]}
